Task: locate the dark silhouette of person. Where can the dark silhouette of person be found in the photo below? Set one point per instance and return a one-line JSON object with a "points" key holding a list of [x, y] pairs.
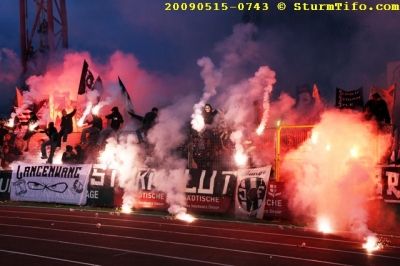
{"points": [[376, 108], [80, 154], [116, 120], [53, 141], [93, 131], [66, 124], [30, 131], [148, 121], [69, 156]]}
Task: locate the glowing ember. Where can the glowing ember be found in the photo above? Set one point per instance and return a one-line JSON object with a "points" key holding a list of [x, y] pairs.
{"points": [[278, 123], [372, 244], [260, 129], [324, 225], [240, 158], [126, 208], [185, 217]]}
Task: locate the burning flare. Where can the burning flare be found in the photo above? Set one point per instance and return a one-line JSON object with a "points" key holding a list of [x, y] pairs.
{"points": [[240, 157], [372, 244], [183, 216], [324, 225], [85, 114]]}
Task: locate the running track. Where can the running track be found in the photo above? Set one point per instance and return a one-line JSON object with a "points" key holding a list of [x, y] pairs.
{"points": [[54, 236]]}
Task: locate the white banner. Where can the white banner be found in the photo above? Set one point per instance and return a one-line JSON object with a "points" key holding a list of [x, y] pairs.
{"points": [[50, 183], [251, 191]]}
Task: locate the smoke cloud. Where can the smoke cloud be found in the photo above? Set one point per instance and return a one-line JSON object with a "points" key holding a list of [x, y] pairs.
{"points": [[330, 174]]}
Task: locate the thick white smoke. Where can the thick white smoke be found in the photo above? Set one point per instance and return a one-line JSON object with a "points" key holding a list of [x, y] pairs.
{"points": [[212, 79], [168, 134]]}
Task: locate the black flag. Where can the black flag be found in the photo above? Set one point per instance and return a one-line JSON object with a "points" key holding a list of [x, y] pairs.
{"points": [[349, 99], [127, 98], [87, 79]]}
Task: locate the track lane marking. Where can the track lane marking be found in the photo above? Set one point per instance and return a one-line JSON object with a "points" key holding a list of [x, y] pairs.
{"points": [[195, 226], [213, 247], [116, 249], [46, 257]]}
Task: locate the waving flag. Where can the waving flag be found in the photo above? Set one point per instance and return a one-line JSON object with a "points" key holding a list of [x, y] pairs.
{"points": [[349, 99], [127, 98], [87, 79]]}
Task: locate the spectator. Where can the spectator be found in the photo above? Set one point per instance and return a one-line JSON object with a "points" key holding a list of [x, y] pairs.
{"points": [[31, 130], [7, 156], [115, 124], [93, 131], [116, 118], [53, 141], [80, 154], [69, 156], [376, 108], [209, 114], [148, 122], [66, 125]]}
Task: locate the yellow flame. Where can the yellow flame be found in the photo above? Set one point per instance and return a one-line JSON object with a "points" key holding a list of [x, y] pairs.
{"points": [[372, 244], [183, 216]]}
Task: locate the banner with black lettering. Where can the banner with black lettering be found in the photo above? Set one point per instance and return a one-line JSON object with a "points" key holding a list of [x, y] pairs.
{"points": [[390, 185], [210, 190], [250, 192], [206, 191], [5, 180], [102, 181], [50, 183]]}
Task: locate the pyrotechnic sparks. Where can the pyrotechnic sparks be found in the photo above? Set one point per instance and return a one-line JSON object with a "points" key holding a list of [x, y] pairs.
{"points": [[264, 79], [240, 158], [126, 208], [85, 113], [212, 79], [183, 216], [197, 118], [260, 129], [334, 176], [372, 244], [324, 225], [32, 126]]}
